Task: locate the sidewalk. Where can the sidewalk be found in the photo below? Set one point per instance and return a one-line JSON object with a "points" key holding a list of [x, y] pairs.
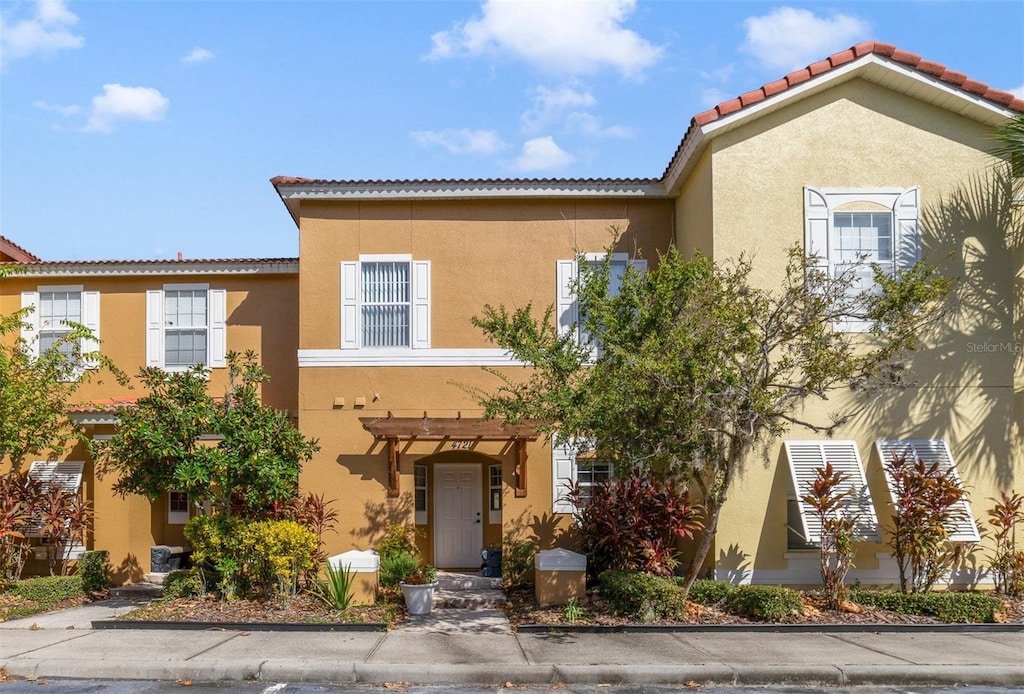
{"points": [[435, 650]]}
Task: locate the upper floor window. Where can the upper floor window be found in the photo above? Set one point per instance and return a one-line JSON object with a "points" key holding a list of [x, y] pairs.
{"points": [[54, 310], [385, 303], [847, 231], [186, 325], [569, 315]]}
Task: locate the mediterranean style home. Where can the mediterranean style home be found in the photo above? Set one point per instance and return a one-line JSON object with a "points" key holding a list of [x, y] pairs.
{"points": [[368, 341]]}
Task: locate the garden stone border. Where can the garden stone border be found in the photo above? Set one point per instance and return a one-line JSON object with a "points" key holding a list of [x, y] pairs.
{"points": [[795, 628], [237, 626]]}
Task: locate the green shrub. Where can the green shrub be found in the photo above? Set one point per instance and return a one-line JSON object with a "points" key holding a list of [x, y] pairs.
{"points": [[183, 583], [398, 539], [708, 592], [764, 603], [517, 563], [94, 569], [395, 568], [49, 589], [641, 596], [962, 607]]}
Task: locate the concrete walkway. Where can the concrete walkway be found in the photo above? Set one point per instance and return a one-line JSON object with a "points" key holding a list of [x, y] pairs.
{"points": [[429, 650]]}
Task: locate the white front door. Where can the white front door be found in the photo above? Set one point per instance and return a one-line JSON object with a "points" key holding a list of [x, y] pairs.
{"points": [[458, 519]]}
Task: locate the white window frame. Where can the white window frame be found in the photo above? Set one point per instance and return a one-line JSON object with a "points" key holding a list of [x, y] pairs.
{"points": [[567, 272], [216, 326], [964, 528], [351, 303], [177, 517], [565, 471], [421, 515], [804, 458], [494, 492], [90, 317], [820, 206]]}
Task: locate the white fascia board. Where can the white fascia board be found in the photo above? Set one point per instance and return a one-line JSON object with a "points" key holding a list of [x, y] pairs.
{"points": [[170, 268], [868, 64], [405, 357], [93, 418], [467, 191]]}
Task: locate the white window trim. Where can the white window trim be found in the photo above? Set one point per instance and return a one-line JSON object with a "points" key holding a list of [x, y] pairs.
{"points": [[351, 273], [564, 472], [820, 204], [962, 529], [216, 326], [494, 515], [421, 516], [805, 457], [90, 318], [566, 276], [178, 517]]}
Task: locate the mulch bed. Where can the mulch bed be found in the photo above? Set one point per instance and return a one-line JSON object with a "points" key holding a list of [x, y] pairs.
{"points": [[521, 608], [301, 609]]}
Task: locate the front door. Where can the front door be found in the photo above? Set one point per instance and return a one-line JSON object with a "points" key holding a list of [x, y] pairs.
{"points": [[458, 520]]}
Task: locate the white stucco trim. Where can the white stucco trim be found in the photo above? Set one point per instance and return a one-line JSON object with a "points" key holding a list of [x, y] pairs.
{"points": [[463, 190], [405, 357]]}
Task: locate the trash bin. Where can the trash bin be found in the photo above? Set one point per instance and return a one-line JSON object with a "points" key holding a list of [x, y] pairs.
{"points": [[164, 558], [365, 565], [492, 562], [559, 576]]}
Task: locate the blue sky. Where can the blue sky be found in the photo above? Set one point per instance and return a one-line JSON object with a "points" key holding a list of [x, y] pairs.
{"points": [[140, 129]]}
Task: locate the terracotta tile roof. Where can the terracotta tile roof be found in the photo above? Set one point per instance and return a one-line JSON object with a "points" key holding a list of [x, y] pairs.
{"points": [[104, 405], [15, 252], [166, 261], [885, 50]]}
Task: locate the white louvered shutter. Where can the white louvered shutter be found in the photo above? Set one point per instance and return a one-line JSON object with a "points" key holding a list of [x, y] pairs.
{"points": [[218, 344], [91, 320], [66, 473], [566, 305], [155, 327], [350, 338], [805, 457], [563, 474], [30, 329], [908, 235], [421, 304], [963, 527], [816, 227]]}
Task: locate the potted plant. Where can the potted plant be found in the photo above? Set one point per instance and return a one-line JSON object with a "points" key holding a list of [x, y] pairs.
{"points": [[418, 589]]}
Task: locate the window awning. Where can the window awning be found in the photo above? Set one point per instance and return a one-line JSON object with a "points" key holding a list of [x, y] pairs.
{"points": [[962, 527], [393, 429], [805, 457]]}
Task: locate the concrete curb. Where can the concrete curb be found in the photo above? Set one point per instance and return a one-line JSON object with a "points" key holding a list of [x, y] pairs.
{"points": [[317, 671]]}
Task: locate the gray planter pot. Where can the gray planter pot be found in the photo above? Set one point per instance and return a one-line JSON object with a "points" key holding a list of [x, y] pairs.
{"points": [[419, 597]]}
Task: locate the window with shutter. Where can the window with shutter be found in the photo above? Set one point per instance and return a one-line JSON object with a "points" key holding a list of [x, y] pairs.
{"points": [[55, 310], [569, 316], [186, 324], [847, 231], [65, 473], [385, 303], [572, 463], [962, 527], [805, 458]]}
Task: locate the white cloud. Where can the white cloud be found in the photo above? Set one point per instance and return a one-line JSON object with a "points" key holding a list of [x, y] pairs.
{"points": [[119, 103], [463, 141], [46, 31], [541, 154], [1018, 92], [69, 110], [568, 36], [788, 38], [590, 125], [568, 106], [197, 55], [713, 96]]}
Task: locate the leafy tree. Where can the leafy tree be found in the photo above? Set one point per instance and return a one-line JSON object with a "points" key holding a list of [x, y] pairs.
{"points": [[159, 444], [698, 366], [35, 390], [1010, 143]]}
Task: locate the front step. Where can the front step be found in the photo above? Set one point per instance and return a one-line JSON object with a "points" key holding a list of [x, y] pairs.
{"points": [[133, 591], [453, 581], [467, 591]]}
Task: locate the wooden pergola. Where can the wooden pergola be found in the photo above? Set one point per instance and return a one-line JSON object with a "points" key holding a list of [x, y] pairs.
{"points": [[393, 430]]}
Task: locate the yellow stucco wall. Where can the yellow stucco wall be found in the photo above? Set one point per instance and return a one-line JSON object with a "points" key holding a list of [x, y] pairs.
{"points": [[261, 316], [861, 136]]}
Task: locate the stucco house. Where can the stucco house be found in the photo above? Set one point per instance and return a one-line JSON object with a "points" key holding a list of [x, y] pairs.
{"points": [[368, 340]]}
